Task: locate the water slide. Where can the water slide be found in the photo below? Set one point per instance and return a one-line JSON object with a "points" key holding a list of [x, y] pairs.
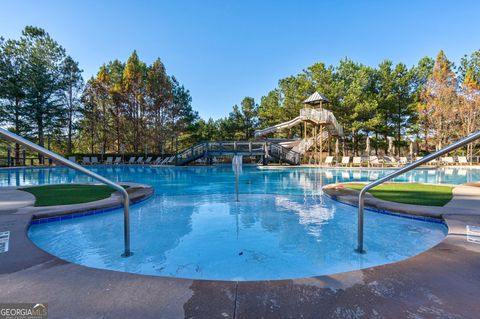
{"points": [[311, 115], [281, 126], [322, 116]]}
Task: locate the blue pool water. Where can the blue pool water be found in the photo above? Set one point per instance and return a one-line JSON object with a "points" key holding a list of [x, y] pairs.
{"points": [[283, 227]]}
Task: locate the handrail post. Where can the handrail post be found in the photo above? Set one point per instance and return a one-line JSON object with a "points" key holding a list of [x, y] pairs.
{"points": [[51, 155], [126, 225], [400, 171]]}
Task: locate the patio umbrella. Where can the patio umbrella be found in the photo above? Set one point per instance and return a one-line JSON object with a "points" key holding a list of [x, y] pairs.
{"points": [[411, 149], [367, 149]]}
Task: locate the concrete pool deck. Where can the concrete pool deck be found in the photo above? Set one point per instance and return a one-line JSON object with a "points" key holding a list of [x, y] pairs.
{"points": [[443, 282]]}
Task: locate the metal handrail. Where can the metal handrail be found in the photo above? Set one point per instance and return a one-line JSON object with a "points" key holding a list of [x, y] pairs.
{"points": [[409, 167], [126, 199]]}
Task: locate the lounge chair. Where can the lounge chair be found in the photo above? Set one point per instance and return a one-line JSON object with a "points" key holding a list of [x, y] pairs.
{"points": [[390, 160], [72, 159], [131, 160], [329, 160], [166, 160], [431, 163], [163, 161], [448, 160], [171, 160], [157, 160], [94, 160], [404, 160], [357, 160], [139, 160], [462, 160], [148, 160], [109, 160], [345, 161], [435, 162], [117, 160], [375, 161], [202, 161], [86, 160]]}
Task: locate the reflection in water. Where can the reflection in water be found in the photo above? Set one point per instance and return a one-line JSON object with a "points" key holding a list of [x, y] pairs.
{"points": [[192, 227], [214, 237]]}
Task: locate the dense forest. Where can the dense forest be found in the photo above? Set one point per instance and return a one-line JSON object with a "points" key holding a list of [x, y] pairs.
{"points": [[133, 107]]}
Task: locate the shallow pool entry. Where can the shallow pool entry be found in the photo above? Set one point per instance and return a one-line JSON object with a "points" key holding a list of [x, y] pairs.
{"points": [[261, 237]]}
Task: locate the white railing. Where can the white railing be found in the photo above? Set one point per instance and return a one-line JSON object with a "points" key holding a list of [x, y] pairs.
{"points": [[323, 116]]}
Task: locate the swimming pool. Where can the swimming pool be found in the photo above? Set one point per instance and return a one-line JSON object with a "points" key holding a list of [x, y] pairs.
{"points": [[283, 227]]}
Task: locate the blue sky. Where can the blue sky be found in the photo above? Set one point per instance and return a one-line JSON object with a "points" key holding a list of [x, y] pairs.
{"points": [[225, 50]]}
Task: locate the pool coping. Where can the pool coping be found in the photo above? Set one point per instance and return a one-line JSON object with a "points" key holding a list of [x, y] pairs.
{"points": [[349, 196], [440, 282]]}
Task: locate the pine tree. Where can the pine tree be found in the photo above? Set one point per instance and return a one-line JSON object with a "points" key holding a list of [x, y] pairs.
{"points": [[133, 82], [469, 108], [72, 84], [12, 89], [441, 101]]}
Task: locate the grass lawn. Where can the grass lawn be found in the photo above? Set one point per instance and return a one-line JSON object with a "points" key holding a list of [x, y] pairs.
{"points": [[50, 195], [410, 193]]}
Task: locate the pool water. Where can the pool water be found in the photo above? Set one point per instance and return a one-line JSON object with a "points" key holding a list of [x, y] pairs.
{"points": [[282, 227]]}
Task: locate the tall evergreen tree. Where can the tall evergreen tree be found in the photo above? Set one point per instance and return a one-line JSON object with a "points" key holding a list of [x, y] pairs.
{"points": [[43, 82], [159, 100], [12, 89], [72, 84], [249, 115], [134, 76]]}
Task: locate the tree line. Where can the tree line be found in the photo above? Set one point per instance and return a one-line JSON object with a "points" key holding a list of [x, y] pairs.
{"points": [[432, 104], [132, 107], [127, 107]]}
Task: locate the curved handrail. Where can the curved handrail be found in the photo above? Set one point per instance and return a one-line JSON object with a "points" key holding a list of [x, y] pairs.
{"points": [[406, 168], [126, 199]]}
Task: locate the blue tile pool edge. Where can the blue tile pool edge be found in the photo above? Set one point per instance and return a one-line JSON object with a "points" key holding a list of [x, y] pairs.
{"points": [[43, 220]]}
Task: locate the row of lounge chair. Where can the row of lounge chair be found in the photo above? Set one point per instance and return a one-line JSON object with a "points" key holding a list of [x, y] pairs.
{"points": [[375, 161], [93, 160]]}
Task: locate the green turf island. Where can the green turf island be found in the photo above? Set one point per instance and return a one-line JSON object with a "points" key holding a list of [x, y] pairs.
{"points": [[51, 195], [410, 193]]}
